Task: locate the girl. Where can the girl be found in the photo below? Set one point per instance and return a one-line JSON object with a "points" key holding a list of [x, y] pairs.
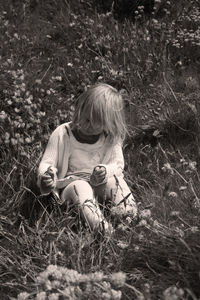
{"points": [[83, 161]]}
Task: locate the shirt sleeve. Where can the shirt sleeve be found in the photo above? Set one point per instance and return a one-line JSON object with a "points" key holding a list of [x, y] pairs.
{"points": [[115, 165]]}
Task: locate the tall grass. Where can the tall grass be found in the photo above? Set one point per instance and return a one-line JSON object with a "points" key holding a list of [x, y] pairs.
{"points": [[52, 51]]}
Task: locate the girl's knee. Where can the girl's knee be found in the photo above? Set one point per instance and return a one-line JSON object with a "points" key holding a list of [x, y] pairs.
{"points": [[77, 191]]}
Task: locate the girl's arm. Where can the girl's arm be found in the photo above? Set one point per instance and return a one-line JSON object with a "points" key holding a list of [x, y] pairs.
{"points": [[49, 159]]}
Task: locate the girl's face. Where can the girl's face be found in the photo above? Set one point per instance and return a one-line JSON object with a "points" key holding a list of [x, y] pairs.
{"points": [[90, 129]]}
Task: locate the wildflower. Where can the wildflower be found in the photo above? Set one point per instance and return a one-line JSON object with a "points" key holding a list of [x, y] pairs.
{"points": [[122, 227], [69, 292], [173, 194], [118, 279], [71, 276], [9, 102], [116, 295], [167, 167], [142, 223], [58, 78], [70, 65], [145, 214], [55, 284], [72, 24], [38, 81], [3, 115], [7, 136], [97, 276], [192, 165], [122, 245], [194, 229], [175, 213], [128, 220], [23, 296], [28, 140], [136, 248], [180, 232], [155, 21], [48, 285], [41, 296], [13, 141], [54, 296], [183, 188], [140, 237], [106, 296], [173, 292]]}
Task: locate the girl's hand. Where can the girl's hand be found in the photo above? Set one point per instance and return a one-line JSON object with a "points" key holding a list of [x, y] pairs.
{"points": [[47, 179], [99, 173]]}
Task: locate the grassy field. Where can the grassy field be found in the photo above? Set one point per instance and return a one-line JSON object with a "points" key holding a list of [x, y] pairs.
{"points": [[51, 51]]}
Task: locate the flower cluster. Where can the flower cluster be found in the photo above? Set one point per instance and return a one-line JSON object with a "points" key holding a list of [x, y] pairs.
{"points": [[56, 281], [173, 293]]}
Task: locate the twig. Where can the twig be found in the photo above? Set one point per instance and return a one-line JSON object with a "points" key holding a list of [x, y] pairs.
{"points": [[138, 293], [46, 71], [170, 88], [6, 183]]}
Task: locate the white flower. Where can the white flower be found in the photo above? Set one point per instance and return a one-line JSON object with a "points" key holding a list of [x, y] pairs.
{"points": [[23, 296], [122, 245], [194, 229], [116, 295], [156, 224], [59, 78], [192, 165], [106, 296], [54, 296], [167, 167], [175, 213], [69, 292], [118, 279], [71, 276], [3, 115], [97, 276], [136, 248], [38, 81], [41, 296], [173, 194], [16, 35], [142, 223], [173, 292], [145, 214], [183, 188]]}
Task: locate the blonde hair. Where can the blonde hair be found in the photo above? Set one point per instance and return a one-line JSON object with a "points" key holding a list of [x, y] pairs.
{"points": [[102, 105]]}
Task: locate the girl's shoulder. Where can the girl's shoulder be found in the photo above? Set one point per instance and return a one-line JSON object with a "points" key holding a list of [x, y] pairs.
{"points": [[63, 129]]}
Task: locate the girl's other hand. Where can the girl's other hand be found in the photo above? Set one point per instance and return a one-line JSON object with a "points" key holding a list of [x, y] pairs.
{"points": [[99, 173]]}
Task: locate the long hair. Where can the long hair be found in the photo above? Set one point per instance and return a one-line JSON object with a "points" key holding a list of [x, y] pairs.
{"points": [[102, 105]]}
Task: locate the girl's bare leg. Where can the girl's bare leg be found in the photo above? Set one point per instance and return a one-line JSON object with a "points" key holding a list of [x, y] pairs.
{"points": [[81, 193]]}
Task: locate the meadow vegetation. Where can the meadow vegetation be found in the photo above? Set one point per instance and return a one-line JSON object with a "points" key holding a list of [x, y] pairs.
{"points": [[51, 51]]}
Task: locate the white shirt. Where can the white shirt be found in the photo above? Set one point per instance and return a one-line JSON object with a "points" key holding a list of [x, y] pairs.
{"points": [[66, 155]]}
